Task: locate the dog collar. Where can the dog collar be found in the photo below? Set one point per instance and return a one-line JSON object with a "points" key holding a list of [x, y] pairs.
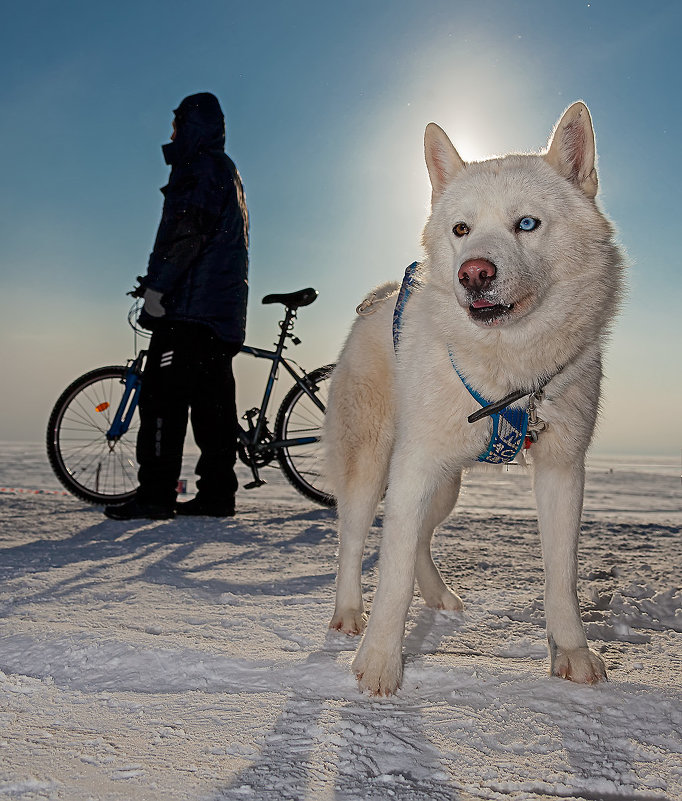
{"points": [[510, 424]]}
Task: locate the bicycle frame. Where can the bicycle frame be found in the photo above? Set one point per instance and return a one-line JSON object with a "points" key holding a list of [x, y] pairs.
{"points": [[277, 358], [253, 438]]}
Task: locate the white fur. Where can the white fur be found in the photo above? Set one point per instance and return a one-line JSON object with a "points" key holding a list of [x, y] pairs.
{"points": [[398, 424]]}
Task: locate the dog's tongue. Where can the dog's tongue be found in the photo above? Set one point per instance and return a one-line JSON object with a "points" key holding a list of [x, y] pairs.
{"points": [[482, 304]]}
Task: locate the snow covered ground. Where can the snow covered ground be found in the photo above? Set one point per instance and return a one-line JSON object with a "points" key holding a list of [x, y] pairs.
{"points": [[191, 659]]}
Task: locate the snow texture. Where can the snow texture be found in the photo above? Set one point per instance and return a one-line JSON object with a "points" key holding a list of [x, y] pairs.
{"points": [[190, 659]]}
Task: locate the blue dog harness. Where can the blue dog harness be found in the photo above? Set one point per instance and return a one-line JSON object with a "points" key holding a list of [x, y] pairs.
{"points": [[510, 424]]}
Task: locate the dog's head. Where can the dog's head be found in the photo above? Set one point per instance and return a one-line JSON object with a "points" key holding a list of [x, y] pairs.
{"points": [[518, 233]]}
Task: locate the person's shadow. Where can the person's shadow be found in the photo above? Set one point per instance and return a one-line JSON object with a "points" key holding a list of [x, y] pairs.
{"points": [[162, 549]]}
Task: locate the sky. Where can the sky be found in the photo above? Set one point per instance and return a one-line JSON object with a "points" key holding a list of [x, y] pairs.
{"points": [[326, 105]]}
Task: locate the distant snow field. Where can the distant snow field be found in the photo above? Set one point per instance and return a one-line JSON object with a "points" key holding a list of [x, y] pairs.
{"points": [[190, 659]]}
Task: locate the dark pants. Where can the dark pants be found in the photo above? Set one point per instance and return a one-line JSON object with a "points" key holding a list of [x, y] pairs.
{"points": [[187, 367]]}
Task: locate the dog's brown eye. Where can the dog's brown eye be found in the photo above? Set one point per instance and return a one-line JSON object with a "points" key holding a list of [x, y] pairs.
{"points": [[461, 229]]}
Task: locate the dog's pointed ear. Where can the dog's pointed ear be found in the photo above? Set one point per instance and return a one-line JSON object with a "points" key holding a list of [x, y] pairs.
{"points": [[572, 151], [442, 160]]}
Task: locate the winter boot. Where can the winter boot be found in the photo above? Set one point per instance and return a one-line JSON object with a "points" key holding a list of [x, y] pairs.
{"points": [[135, 508], [207, 508]]}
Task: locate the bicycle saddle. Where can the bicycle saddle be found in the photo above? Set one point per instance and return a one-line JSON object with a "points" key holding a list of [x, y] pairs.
{"points": [[294, 300]]}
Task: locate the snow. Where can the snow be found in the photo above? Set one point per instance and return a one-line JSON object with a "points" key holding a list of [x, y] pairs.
{"points": [[190, 659]]}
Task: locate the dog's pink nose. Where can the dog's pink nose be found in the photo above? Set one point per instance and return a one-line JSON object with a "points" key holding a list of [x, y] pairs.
{"points": [[476, 274]]}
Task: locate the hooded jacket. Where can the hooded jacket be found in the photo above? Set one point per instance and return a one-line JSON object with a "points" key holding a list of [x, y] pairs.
{"points": [[200, 257]]}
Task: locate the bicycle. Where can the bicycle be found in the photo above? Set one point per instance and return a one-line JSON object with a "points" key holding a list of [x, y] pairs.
{"points": [[92, 429]]}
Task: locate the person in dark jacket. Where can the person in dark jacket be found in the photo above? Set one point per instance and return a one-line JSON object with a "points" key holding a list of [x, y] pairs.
{"points": [[195, 294]]}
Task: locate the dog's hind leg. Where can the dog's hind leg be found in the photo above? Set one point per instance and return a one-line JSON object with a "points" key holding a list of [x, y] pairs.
{"points": [[434, 591], [356, 512]]}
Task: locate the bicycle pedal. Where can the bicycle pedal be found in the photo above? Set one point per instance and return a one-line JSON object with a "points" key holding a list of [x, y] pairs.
{"points": [[255, 484]]}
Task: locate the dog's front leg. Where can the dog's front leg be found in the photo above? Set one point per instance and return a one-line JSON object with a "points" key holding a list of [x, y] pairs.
{"points": [[559, 496], [378, 664]]}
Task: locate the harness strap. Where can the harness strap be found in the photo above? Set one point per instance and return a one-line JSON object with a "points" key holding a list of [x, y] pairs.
{"points": [[410, 283], [509, 425]]}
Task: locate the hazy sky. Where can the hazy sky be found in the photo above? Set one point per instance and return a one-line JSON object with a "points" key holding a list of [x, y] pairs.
{"points": [[326, 105]]}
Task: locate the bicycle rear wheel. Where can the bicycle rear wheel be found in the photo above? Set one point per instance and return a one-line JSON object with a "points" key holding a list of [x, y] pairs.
{"points": [[300, 417], [88, 465]]}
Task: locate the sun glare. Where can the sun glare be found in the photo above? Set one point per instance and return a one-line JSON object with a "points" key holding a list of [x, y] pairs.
{"points": [[470, 146]]}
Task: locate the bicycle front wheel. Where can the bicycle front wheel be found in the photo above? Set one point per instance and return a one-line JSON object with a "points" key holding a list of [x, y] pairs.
{"points": [[299, 417], [90, 466]]}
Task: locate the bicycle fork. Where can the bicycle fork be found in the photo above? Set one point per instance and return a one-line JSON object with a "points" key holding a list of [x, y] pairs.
{"points": [[131, 395]]}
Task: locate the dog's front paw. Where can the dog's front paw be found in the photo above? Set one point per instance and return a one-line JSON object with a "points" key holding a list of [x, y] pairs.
{"points": [[379, 672], [349, 621], [579, 665]]}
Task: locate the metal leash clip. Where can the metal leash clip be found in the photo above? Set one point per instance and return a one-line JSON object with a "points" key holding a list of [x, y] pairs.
{"points": [[364, 308], [535, 424]]}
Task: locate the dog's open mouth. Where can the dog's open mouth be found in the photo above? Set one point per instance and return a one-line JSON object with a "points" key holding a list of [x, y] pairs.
{"points": [[484, 311]]}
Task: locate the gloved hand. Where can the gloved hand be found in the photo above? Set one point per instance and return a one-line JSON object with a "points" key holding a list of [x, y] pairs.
{"points": [[152, 303], [138, 291]]}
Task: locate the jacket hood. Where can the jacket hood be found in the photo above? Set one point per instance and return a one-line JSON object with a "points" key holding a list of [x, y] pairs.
{"points": [[200, 127]]}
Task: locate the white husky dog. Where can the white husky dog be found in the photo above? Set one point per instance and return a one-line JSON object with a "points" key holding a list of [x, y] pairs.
{"points": [[512, 304]]}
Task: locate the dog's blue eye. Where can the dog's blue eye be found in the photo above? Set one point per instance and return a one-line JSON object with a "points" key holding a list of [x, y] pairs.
{"points": [[527, 224]]}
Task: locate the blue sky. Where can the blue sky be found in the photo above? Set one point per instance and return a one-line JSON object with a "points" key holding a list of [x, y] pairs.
{"points": [[326, 106]]}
